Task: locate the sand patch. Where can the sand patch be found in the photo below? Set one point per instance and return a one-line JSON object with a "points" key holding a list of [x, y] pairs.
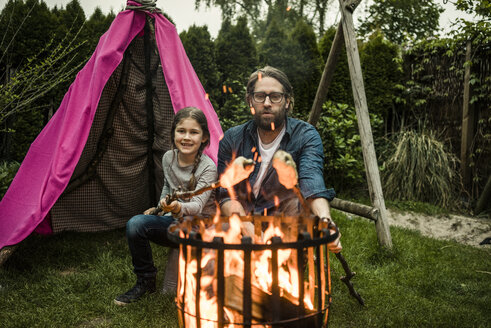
{"points": [[466, 230]]}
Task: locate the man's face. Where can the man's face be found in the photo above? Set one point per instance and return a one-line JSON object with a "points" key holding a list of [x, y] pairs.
{"points": [[268, 112]]}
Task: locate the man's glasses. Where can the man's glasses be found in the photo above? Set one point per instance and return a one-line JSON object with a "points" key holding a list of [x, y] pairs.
{"points": [[274, 97]]}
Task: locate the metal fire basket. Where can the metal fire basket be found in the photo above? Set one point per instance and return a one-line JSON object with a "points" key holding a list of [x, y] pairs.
{"points": [[302, 236]]}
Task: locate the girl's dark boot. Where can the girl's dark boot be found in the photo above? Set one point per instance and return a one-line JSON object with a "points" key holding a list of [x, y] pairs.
{"points": [[143, 286]]}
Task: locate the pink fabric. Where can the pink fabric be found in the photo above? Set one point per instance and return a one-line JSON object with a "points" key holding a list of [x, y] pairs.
{"points": [[52, 157], [180, 75]]}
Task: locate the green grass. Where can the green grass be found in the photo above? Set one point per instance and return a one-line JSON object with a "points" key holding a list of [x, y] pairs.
{"points": [[417, 207], [70, 280]]}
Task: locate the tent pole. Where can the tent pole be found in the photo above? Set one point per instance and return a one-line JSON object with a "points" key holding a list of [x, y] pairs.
{"points": [[148, 48]]}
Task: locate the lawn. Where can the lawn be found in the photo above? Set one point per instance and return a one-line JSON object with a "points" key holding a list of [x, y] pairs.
{"points": [[70, 280]]}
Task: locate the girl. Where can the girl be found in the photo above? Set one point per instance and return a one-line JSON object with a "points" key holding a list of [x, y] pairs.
{"points": [[185, 168]]}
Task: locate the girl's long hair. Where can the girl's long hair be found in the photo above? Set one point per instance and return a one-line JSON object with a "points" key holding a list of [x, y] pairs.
{"points": [[198, 116]]}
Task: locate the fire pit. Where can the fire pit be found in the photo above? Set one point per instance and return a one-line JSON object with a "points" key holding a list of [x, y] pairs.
{"points": [[253, 271]]}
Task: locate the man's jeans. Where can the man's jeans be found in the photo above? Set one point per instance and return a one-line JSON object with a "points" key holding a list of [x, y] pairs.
{"points": [[140, 230]]}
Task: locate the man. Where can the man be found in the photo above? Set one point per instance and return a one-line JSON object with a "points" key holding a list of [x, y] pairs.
{"points": [[270, 97]]}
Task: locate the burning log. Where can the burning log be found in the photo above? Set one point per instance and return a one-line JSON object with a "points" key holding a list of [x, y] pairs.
{"points": [[276, 281], [262, 304]]}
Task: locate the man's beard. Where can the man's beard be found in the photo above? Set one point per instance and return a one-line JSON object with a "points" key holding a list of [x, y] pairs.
{"points": [[265, 124]]}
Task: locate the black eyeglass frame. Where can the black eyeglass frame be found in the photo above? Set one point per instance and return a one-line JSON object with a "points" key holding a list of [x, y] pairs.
{"points": [[267, 95]]}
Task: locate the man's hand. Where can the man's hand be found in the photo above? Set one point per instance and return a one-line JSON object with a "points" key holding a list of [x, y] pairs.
{"points": [[334, 246]]}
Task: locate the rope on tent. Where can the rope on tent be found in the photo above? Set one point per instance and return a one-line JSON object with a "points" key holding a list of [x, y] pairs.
{"points": [[144, 5]]}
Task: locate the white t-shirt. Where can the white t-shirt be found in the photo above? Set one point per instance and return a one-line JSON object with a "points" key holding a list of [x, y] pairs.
{"points": [[266, 151]]}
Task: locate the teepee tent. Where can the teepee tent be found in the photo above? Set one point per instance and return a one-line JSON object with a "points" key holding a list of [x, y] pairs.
{"points": [[98, 160]]}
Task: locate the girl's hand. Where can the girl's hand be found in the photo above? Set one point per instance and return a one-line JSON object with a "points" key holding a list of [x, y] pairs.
{"points": [[150, 211], [174, 207]]}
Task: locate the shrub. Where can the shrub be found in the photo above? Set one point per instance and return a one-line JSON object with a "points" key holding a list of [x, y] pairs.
{"points": [[7, 174], [343, 166], [420, 169]]}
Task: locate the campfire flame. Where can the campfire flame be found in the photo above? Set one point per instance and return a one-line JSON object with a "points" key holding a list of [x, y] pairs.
{"points": [[232, 232], [239, 170]]}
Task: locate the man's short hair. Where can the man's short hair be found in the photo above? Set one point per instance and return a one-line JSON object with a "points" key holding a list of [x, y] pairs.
{"points": [[269, 71]]}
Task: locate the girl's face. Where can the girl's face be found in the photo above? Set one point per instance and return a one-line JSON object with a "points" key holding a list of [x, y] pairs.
{"points": [[188, 137]]}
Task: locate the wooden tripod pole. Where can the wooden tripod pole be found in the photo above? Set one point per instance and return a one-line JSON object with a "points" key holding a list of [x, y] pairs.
{"points": [[369, 156]]}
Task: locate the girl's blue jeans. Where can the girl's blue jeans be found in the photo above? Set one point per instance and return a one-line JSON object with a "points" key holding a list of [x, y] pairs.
{"points": [[140, 230]]}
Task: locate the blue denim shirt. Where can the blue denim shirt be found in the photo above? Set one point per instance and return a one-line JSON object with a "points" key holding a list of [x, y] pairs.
{"points": [[301, 140]]}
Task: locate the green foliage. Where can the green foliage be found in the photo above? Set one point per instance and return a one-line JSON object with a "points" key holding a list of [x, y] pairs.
{"points": [[261, 12], [234, 111], [7, 174], [273, 51], [236, 59], [37, 78], [419, 168], [27, 126], [434, 75], [24, 98], [40, 53], [479, 7], [296, 53], [344, 167], [305, 69], [381, 73], [402, 20], [340, 89], [25, 29], [200, 50], [235, 51]]}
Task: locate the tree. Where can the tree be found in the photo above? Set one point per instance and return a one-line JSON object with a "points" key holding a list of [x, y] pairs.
{"points": [[340, 89], [235, 50], [305, 71], [25, 29], [273, 50], [479, 7], [382, 74], [38, 66], [200, 50], [95, 27], [236, 59], [402, 20], [312, 11]]}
